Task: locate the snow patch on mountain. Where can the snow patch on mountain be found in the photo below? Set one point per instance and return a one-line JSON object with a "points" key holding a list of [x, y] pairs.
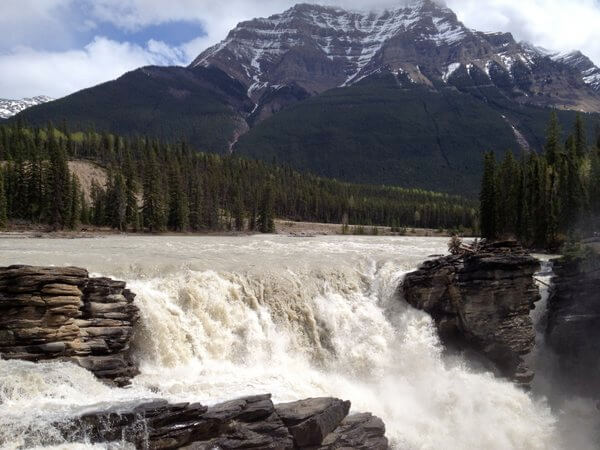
{"points": [[9, 108]]}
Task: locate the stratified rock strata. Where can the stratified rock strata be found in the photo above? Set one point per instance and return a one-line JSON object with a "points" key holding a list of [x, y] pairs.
{"points": [[250, 422], [61, 313], [482, 300], [573, 326]]}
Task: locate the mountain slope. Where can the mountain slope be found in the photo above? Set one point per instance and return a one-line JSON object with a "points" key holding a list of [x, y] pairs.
{"points": [[408, 96], [9, 108], [379, 132], [204, 106]]}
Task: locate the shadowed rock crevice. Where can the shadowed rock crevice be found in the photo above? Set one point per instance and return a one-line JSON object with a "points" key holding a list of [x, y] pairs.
{"points": [[573, 326], [481, 300]]}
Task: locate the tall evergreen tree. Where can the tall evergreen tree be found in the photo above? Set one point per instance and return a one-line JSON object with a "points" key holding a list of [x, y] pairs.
{"points": [[3, 203], [488, 197], [553, 147], [154, 209], [266, 224], [579, 136]]}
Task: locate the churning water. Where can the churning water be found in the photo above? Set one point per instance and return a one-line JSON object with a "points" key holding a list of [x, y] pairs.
{"points": [[223, 317]]}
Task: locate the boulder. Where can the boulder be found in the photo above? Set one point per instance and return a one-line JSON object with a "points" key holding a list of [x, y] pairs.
{"points": [[358, 431], [310, 420], [60, 312], [482, 300]]}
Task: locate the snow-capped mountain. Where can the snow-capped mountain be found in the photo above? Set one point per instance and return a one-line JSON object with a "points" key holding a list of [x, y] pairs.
{"points": [[9, 108], [317, 48]]}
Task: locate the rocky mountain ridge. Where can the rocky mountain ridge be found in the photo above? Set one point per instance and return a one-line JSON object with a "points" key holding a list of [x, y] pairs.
{"points": [[318, 48], [9, 108]]}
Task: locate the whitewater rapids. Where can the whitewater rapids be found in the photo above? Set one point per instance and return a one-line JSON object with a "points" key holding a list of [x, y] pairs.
{"points": [[223, 317]]}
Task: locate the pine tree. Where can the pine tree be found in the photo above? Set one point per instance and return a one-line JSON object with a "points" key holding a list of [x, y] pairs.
{"points": [[580, 136], [59, 190], [238, 210], [266, 223], [117, 202], [75, 206], [154, 210], [553, 148], [3, 203], [488, 197]]}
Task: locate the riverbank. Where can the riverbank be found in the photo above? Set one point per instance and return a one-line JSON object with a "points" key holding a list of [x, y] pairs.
{"points": [[282, 227]]}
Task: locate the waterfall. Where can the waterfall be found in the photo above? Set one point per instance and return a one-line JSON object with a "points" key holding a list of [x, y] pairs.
{"points": [[296, 318]]}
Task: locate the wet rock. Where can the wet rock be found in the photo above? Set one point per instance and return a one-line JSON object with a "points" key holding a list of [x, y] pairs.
{"points": [[573, 325], [60, 312], [358, 431], [245, 423], [309, 421], [482, 301]]}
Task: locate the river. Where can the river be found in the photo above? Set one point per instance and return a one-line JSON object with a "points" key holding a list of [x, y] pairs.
{"points": [[223, 317]]}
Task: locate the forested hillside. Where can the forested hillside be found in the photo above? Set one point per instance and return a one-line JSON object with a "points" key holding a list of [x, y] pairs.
{"points": [[381, 131], [154, 186], [544, 199]]}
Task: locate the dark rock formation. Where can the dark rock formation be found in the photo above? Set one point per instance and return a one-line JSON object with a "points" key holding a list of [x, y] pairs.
{"points": [[482, 301], [62, 313], [573, 326], [250, 422]]}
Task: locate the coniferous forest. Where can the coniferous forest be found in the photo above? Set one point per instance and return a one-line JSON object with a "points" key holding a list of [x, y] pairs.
{"points": [[543, 200], [156, 186]]}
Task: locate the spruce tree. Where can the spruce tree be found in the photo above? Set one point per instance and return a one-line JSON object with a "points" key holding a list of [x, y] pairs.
{"points": [[266, 223], [553, 148], [154, 209], [3, 203], [488, 197], [580, 136], [75, 207]]}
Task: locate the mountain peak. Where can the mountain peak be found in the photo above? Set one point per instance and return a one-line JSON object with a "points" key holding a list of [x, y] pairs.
{"points": [[316, 48]]}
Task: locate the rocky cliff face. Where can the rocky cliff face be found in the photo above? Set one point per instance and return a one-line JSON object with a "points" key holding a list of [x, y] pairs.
{"points": [[573, 326], [49, 313], [482, 301], [319, 48], [250, 422]]}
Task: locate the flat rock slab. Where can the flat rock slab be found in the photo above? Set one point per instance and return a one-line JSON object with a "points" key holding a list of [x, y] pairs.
{"points": [[309, 421]]}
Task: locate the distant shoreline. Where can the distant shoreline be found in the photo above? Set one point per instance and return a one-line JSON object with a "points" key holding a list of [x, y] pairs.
{"points": [[283, 227]]}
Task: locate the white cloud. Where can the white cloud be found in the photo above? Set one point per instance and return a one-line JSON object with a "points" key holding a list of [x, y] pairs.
{"points": [[26, 72], [561, 25], [555, 24]]}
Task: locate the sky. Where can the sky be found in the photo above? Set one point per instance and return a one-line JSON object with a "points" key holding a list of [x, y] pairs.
{"points": [[56, 47]]}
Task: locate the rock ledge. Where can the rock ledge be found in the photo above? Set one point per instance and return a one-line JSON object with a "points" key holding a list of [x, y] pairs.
{"points": [[482, 299], [61, 313]]}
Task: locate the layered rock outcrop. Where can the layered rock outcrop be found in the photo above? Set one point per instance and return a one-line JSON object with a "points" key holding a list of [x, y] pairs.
{"points": [[250, 422], [62, 313], [573, 325], [482, 300]]}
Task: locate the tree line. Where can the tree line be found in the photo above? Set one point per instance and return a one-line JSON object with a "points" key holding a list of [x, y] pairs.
{"points": [[155, 186], [543, 199]]}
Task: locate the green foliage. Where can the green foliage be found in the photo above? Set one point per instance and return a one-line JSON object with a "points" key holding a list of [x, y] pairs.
{"points": [[488, 198], [3, 212], [153, 186], [543, 198]]}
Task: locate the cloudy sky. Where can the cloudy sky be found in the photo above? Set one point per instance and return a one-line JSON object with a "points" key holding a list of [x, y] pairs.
{"points": [[55, 47]]}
